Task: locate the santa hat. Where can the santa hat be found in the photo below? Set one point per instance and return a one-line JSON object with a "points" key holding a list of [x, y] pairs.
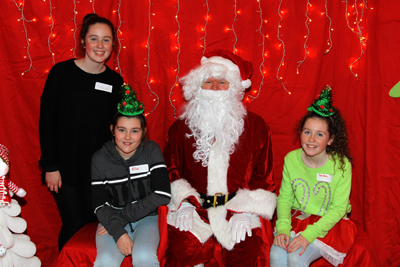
{"points": [[4, 155], [232, 62]]}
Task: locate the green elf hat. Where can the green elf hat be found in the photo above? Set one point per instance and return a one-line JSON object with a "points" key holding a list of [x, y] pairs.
{"points": [[395, 91], [323, 105], [129, 105]]}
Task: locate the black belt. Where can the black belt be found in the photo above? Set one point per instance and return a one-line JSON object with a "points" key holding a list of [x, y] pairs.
{"points": [[216, 200]]}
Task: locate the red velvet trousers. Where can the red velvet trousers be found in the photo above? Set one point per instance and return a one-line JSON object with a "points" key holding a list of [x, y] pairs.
{"points": [[184, 249]]}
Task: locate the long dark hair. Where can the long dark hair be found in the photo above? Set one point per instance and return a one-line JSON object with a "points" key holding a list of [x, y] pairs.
{"points": [[336, 128]]}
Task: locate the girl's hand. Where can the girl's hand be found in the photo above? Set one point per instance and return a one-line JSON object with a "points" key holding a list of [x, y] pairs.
{"points": [[297, 242], [102, 231], [282, 241], [53, 180], [125, 245]]}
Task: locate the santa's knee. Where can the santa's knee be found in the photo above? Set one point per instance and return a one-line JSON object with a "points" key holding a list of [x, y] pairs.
{"points": [[184, 249]]}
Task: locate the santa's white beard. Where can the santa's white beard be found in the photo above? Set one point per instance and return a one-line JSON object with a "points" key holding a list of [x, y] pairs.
{"points": [[214, 116]]}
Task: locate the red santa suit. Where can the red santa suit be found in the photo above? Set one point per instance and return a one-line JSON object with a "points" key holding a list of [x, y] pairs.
{"points": [[249, 175]]}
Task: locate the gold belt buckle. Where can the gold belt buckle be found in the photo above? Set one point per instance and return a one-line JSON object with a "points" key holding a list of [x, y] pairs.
{"points": [[215, 198]]}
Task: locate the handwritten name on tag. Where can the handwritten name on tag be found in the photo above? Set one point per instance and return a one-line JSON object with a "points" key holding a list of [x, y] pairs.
{"points": [[103, 87], [139, 168], [324, 177]]}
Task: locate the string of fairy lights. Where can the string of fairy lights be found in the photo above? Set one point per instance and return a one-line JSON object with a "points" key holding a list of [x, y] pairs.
{"points": [[51, 31], [357, 31], [177, 70], [119, 32], [20, 8], [263, 55], [74, 31], [282, 44], [204, 46], [329, 28], [148, 45], [308, 21], [235, 39], [354, 15]]}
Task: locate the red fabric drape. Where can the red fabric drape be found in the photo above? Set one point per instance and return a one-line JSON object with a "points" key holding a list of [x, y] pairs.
{"points": [[150, 59]]}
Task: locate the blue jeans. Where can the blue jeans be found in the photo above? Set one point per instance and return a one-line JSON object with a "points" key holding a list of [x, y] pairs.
{"points": [[145, 238], [280, 258]]}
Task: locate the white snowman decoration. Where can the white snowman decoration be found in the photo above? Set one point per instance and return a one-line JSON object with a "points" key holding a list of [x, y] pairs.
{"points": [[16, 249]]}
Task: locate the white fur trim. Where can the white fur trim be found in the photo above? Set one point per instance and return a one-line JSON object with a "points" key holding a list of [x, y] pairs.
{"points": [[257, 202], [333, 256], [220, 60], [246, 84], [227, 63], [219, 226], [260, 202], [180, 190], [201, 230], [217, 172]]}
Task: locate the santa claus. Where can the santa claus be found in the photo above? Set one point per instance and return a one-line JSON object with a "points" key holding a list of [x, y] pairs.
{"points": [[220, 163]]}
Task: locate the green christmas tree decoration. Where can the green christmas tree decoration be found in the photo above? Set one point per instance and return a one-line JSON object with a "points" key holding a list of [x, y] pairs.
{"points": [[323, 105], [129, 104]]}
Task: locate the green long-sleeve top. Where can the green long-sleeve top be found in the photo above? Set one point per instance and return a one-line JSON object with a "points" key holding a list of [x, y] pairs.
{"points": [[320, 191]]}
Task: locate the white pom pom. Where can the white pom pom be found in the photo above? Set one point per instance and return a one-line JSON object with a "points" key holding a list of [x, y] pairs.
{"points": [[203, 59], [246, 84]]}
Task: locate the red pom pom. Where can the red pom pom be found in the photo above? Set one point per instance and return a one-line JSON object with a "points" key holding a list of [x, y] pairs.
{"points": [[119, 106], [140, 107], [322, 106], [127, 92], [330, 110], [124, 103]]}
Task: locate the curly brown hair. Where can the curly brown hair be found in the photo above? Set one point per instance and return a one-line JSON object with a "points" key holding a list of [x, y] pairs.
{"points": [[336, 128]]}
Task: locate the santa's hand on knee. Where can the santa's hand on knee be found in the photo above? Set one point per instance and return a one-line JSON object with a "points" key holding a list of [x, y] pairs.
{"points": [[184, 217], [239, 225]]}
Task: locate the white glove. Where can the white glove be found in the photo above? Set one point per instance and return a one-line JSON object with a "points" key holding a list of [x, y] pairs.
{"points": [[184, 217], [238, 225]]}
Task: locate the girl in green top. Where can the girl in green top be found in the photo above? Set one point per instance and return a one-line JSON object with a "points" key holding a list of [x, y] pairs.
{"points": [[313, 199]]}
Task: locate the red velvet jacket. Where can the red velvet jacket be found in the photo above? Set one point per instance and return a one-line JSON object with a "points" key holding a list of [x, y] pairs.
{"points": [[250, 175]]}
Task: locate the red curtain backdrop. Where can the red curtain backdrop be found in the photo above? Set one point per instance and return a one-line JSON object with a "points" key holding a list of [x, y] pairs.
{"points": [[297, 47]]}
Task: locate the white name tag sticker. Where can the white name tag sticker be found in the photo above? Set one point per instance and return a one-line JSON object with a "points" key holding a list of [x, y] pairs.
{"points": [[139, 168], [324, 177], [103, 87]]}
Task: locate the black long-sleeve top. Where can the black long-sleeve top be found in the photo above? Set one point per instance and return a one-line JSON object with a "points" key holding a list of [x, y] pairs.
{"points": [[75, 115]]}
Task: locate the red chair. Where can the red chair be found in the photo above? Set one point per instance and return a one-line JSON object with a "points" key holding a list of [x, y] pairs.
{"points": [[80, 250], [362, 253]]}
